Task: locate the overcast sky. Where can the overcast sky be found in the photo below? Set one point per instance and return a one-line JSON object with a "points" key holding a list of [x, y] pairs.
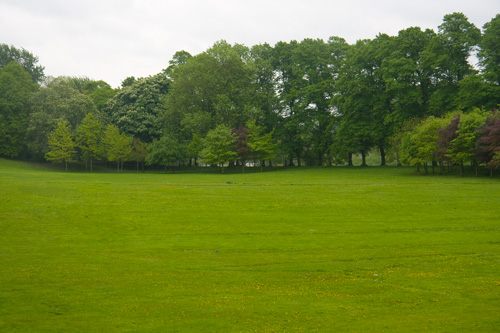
{"points": [[112, 39]]}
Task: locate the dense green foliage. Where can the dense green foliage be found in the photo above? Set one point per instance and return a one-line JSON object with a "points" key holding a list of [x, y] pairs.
{"points": [[16, 87], [320, 249], [62, 147], [24, 58], [458, 138], [315, 102], [219, 146]]}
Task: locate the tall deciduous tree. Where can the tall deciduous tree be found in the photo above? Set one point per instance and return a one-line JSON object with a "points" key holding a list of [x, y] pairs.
{"points": [[208, 89], [363, 102], [23, 58], [407, 76], [317, 64], [291, 128], [16, 88], [490, 52], [61, 145], [448, 55]]}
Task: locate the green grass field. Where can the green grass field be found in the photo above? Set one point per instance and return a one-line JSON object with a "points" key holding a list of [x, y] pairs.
{"points": [[320, 249]]}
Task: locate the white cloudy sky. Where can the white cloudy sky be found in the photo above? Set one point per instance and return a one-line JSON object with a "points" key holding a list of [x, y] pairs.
{"points": [[113, 39]]}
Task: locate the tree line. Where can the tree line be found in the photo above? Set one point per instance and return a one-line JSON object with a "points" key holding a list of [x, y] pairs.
{"points": [[312, 102]]}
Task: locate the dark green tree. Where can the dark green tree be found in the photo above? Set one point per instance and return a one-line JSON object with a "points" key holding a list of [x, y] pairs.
{"points": [[448, 55], [489, 53], [100, 92], [408, 78], [165, 151], [16, 87], [363, 103], [180, 58], [136, 108], [23, 58], [56, 102], [208, 89]]}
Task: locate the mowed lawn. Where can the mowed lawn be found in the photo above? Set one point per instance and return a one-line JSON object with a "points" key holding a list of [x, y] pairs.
{"points": [[326, 249]]}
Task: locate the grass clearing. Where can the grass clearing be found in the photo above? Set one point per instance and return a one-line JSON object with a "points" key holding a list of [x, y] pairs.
{"points": [[317, 249]]}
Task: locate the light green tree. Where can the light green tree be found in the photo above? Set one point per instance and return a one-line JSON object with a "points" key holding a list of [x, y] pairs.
{"points": [[219, 146], [262, 145], [419, 147], [462, 148], [194, 148], [61, 145], [89, 139], [138, 153], [117, 146]]}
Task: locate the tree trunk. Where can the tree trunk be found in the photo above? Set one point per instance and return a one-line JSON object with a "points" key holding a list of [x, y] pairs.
{"points": [[382, 156], [425, 168], [299, 162], [363, 158], [320, 159], [349, 159], [461, 169]]}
